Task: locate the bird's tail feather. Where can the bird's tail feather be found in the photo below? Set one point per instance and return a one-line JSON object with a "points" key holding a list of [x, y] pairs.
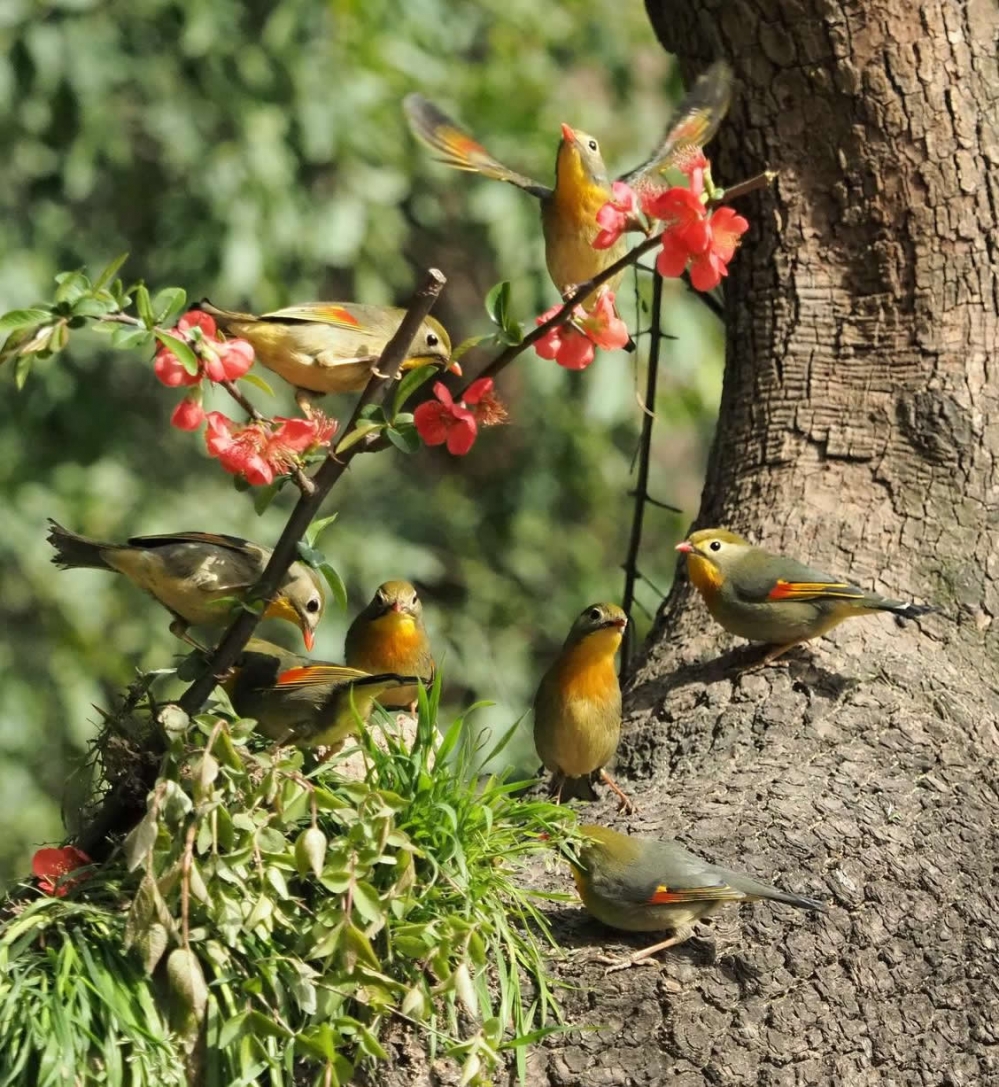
{"points": [[73, 550]]}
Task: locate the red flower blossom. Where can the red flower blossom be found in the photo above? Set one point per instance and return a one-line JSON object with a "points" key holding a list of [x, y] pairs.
{"points": [[260, 451], [225, 361], [50, 865], [572, 344], [170, 370], [442, 420], [615, 216], [487, 407], [218, 360], [603, 326], [195, 318], [188, 414], [708, 268]]}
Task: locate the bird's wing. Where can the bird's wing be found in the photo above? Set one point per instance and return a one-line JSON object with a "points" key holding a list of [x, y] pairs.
{"points": [[337, 675], [327, 313], [234, 565], [795, 582], [457, 147], [694, 124]]}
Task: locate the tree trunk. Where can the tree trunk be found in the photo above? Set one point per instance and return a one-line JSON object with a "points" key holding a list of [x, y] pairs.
{"points": [[858, 432]]}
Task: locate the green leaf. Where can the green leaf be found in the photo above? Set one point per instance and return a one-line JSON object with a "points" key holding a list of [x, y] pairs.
{"points": [[168, 305], [257, 382], [411, 381], [264, 496], [72, 287], [22, 368], [23, 318], [404, 437], [140, 841], [335, 583], [367, 904], [109, 272], [316, 529], [359, 433], [144, 306], [125, 338], [88, 306], [186, 356], [498, 304]]}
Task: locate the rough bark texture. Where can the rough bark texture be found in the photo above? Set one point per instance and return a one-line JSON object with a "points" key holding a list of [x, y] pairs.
{"points": [[858, 431]]}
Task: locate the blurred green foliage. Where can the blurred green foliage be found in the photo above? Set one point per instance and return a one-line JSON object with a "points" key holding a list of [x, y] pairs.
{"points": [[257, 153]]}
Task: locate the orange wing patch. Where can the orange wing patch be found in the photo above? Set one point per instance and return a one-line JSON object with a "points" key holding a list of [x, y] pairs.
{"points": [[804, 590], [295, 675], [662, 895]]}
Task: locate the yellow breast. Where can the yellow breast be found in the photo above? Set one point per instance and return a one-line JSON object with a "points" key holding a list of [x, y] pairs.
{"points": [[704, 575]]}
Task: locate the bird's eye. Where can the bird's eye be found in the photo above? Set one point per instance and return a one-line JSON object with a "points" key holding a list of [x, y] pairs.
{"points": [[592, 145], [432, 339], [312, 606], [595, 614], [715, 545]]}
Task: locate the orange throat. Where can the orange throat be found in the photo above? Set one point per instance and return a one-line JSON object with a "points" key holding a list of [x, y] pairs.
{"points": [[704, 575], [587, 669], [395, 640]]}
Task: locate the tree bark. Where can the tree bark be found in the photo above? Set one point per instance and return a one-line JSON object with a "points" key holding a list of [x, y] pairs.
{"points": [[858, 432]]}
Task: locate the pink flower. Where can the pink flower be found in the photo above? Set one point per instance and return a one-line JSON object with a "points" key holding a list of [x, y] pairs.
{"points": [[260, 451], [49, 866], [195, 318], [225, 361], [707, 246], [442, 420], [616, 215], [603, 326], [572, 344], [170, 370], [708, 268], [188, 414], [486, 406], [692, 162]]}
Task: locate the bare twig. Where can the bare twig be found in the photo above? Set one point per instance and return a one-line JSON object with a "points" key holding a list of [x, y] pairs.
{"points": [[642, 480]]}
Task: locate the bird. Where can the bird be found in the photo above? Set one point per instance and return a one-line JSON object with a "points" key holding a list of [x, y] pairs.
{"points": [[773, 599], [582, 185], [388, 635], [197, 575], [640, 884], [310, 703], [577, 708], [331, 347]]}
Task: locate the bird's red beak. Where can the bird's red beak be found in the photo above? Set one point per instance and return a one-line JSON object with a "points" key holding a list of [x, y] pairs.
{"points": [[567, 134], [455, 368], [686, 547], [309, 638], [396, 605], [619, 623]]}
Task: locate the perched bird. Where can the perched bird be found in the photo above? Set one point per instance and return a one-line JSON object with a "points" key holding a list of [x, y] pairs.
{"points": [[582, 185], [648, 885], [577, 710], [308, 702], [770, 598], [330, 347], [389, 636], [196, 575]]}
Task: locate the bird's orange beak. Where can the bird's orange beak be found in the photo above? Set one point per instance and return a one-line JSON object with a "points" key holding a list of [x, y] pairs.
{"points": [[455, 368], [686, 547], [309, 638], [619, 623], [396, 605], [567, 134]]}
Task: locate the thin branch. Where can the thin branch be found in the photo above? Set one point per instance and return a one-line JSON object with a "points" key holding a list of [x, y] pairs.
{"points": [[642, 480]]}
